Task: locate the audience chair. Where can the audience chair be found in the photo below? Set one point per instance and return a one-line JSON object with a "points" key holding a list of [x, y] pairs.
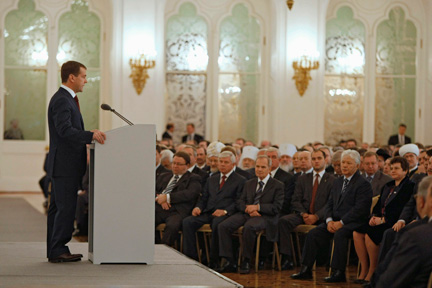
{"points": [[161, 228], [430, 281], [300, 229], [206, 230]]}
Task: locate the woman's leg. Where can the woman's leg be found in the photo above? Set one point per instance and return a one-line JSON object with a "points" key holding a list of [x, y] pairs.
{"points": [[373, 251], [362, 253]]}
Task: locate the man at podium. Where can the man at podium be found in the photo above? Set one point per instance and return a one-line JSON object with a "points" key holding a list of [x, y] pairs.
{"points": [[67, 160]]}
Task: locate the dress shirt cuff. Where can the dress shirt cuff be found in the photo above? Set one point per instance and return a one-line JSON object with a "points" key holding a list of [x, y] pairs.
{"points": [[342, 222], [401, 220], [169, 198], [329, 219]]}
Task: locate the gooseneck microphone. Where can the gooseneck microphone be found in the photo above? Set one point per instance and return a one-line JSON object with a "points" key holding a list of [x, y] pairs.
{"points": [[108, 108]]}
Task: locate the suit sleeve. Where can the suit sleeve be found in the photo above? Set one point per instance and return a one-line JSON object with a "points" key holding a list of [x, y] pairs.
{"points": [[62, 118], [289, 191], [202, 202], [362, 204], [275, 207], [296, 203], [241, 202], [190, 193]]}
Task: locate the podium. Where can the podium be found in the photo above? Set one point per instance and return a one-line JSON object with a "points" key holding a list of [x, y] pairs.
{"points": [[122, 196]]}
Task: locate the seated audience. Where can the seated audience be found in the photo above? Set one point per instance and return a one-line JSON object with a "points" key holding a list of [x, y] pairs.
{"points": [[166, 159], [159, 167], [372, 173], [336, 163], [287, 152], [248, 157], [191, 135]]}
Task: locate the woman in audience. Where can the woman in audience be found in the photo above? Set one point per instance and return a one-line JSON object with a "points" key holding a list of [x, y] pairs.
{"points": [[385, 214]]}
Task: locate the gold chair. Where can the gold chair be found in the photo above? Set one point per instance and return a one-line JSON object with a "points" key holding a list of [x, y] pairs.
{"points": [[161, 228], [206, 230], [430, 281], [300, 229]]}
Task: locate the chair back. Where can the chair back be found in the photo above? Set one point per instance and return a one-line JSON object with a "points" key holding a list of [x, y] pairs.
{"points": [[374, 202]]}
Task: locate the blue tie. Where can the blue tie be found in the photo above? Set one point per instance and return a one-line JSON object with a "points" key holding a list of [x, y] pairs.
{"points": [[344, 187]]}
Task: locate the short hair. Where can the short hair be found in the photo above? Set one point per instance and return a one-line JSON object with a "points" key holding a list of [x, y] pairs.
{"points": [[229, 149], [352, 140], [370, 154], [429, 152], [169, 126], [328, 148], [167, 154], [191, 124], [318, 151], [273, 149], [337, 156], [423, 186], [265, 157], [183, 155], [352, 154], [70, 67], [241, 139], [402, 125], [193, 149], [205, 151], [228, 154], [403, 162], [158, 149]]}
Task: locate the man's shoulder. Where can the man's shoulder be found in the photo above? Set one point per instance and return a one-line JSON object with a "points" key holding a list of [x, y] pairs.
{"points": [[282, 175]]}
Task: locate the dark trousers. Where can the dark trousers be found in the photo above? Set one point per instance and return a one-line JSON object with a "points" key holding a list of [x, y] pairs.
{"points": [[173, 221], [286, 225], [191, 224], [386, 243], [251, 226], [82, 213], [61, 214], [319, 238]]}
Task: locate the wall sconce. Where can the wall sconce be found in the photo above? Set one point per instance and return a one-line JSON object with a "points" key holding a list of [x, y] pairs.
{"points": [[302, 67], [139, 67], [290, 4]]}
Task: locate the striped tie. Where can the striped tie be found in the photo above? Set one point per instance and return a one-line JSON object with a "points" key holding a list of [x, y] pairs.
{"points": [[258, 193], [170, 187], [344, 187]]}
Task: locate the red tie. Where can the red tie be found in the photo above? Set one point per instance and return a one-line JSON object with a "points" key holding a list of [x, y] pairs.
{"points": [[314, 191], [77, 102], [222, 182]]}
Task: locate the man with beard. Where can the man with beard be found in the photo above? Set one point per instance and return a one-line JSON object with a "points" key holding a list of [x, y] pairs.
{"points": [[287, 151]]}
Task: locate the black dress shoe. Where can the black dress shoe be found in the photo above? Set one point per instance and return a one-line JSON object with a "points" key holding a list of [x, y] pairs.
{"points": [[287, 265], [261, 265], [66, 257], [213, 265], [245, 267], [336, 276], [360, 281], [304, 274], [228, 267]]}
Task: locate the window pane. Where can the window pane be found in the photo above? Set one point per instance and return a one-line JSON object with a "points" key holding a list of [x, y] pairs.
{"points": [[238, 109], [89, 100], [186, 102], [26, 36], [186, 41], [26, 103]]}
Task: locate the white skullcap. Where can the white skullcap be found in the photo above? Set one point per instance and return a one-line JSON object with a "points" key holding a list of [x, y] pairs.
{"points": [[287, 149], [214, 149], [249, 152], [409, 148]]}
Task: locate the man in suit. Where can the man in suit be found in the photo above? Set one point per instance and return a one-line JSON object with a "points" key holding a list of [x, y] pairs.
{"points": [[305, 162], [287, 151], [347, 209], [425, 212], [168, 134], [259, 207], [238, 170], [296, 163], [176, 194], [411, 152], [400, 138], [328, 159], [66, 159], [191, 135], [382, 157], [159, 168], [372, 173], [216, 204], [192, 152], [311, 194], [201, 159]]}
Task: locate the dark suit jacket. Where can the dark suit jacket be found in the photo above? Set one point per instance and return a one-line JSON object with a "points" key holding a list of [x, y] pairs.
{"points": [[244, 173], [394, 140], [166, 135], [411, 265], [161, 169], [353, 207], [214, 198], [378, 182], [303, 194], [270, 203], [204, 175], [198, 138], [184, 194], [289, 192], [68, 154], [395, 204]]}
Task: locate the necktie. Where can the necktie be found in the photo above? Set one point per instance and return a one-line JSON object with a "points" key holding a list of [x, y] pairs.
{"points": [[258, 193], [170, 187], [344, 187], [314, 191], [369, 179], [77, 102], [222, 182]]}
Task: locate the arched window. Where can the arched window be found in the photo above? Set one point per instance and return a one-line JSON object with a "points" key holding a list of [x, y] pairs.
{"points": [[344, 77], [186, 70], [239, 75], [26, 56], [395, 75]]}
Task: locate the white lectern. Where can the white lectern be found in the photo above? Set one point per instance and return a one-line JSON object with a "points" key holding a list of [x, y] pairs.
{"points": [[122, 196]]}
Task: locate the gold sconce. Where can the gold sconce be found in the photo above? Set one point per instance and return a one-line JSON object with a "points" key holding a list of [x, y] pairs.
{"points": [[290, 4], [302, 67], [139, 67]]}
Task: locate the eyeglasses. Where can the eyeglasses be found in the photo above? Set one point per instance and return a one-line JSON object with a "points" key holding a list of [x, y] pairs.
{"points": [[178, 164]]}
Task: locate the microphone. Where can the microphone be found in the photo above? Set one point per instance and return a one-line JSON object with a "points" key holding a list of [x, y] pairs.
{"points": [[108, 108]]}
